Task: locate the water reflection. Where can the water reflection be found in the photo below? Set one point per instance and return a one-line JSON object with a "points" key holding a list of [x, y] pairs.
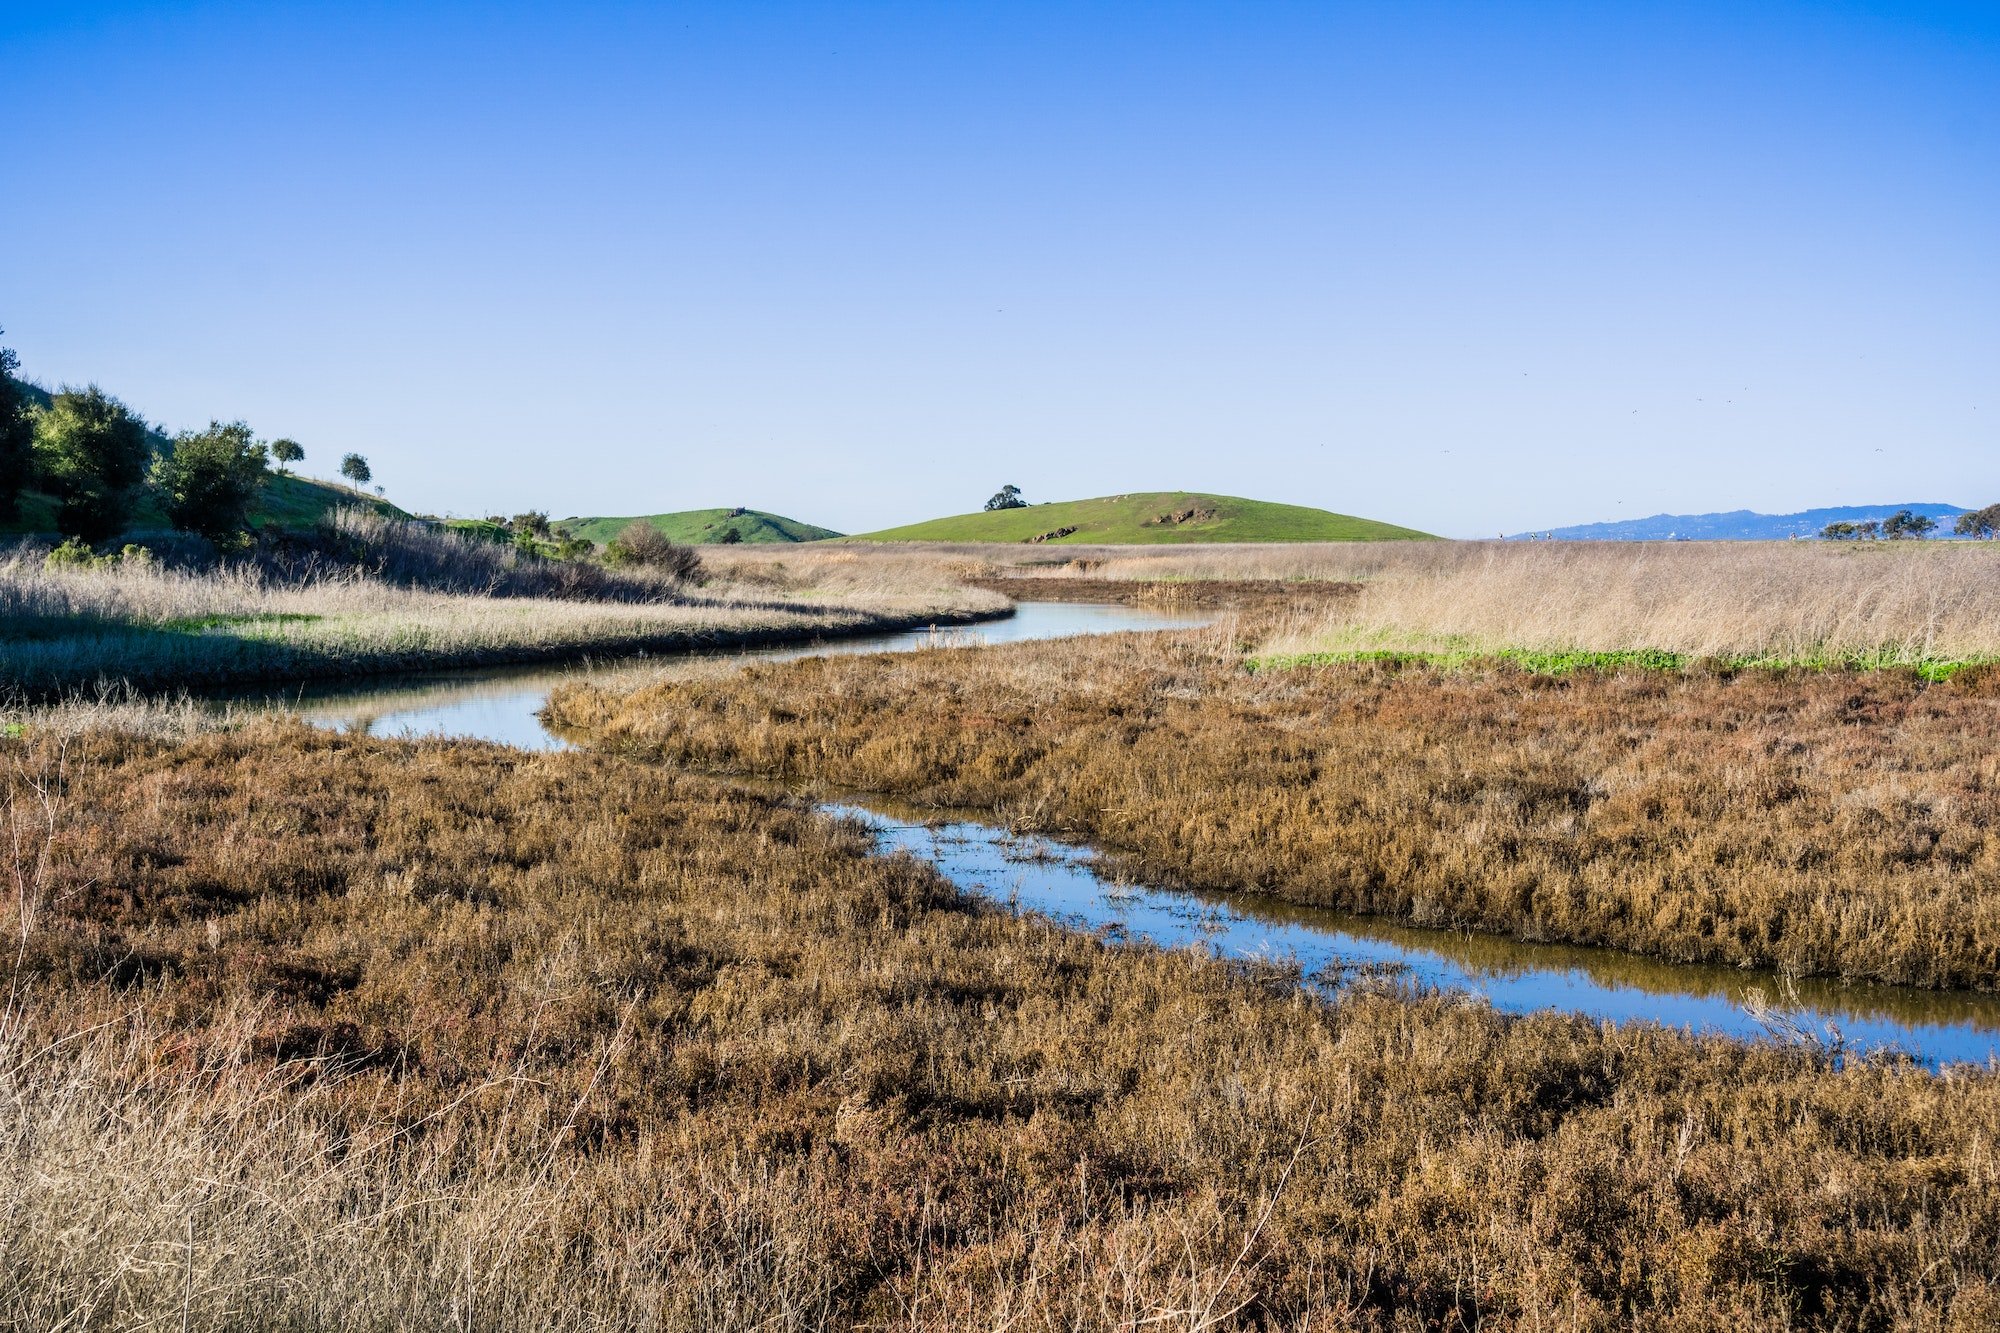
{"points": [[501, 703], [1064, 882]]}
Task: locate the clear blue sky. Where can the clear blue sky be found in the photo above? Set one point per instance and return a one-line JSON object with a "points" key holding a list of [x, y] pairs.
{"points": [[1470, 267]]}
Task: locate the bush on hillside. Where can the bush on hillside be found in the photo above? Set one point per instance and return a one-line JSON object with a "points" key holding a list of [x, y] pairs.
{"points": [[644, 545]]}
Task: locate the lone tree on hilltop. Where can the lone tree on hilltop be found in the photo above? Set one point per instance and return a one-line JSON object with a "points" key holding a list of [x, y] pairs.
{"points": [[209, 480], [17, 436], [287, 452], [90, 450], [355, 468], [1904, 524], [1007, 497], [1981, 523]]}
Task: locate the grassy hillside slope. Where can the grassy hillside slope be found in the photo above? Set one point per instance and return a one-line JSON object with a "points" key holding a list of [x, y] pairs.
{"points": [[1149, 517], [697, 527], [290, 502]]}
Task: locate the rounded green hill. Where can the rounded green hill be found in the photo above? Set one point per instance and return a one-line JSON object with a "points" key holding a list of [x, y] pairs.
{"points": [[698, 527], [1149, 517]]}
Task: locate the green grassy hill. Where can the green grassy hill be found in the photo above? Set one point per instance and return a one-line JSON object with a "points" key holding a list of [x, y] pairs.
{"points": [[1147, 518], [700, 527], [290, 502]]}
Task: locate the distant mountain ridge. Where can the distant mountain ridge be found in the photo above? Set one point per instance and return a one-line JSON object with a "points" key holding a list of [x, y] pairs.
{"points": [[1735, 525]]}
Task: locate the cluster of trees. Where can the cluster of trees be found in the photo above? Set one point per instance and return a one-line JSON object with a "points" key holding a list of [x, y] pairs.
{"points": [[1899, 526], [94, 456], [1007, 497], [531, 532], [1981, 523]]}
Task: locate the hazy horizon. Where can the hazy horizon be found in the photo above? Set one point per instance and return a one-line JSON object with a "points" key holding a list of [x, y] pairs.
{"points": [[1461, 269]]}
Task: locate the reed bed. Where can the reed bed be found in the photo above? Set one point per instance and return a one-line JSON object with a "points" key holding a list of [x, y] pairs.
{"points": [[1821, 823], [1811, 603], [1904, 603], [316, 1031], [151, 626]]}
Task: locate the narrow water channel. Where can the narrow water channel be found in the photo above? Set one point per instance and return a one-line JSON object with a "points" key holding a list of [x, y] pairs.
{"points": [[1067, 883], [503, 703]]}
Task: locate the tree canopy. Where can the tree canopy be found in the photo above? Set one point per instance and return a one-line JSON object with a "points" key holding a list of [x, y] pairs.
{"points": [[287, 452], [1007, 497], [355, 468], [209, 479], [1904, 524], [90, 453], [1982, 523], [17, 436]]}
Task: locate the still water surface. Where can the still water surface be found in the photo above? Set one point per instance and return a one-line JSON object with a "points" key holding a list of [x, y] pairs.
{"points": [[502, 703], [1068, 883]]}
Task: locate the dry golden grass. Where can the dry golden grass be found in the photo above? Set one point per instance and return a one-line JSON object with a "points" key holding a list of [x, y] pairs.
{"points": [[1825, 823], [1805, 602], [1808, 602], [311, 1031], [155, 628]]}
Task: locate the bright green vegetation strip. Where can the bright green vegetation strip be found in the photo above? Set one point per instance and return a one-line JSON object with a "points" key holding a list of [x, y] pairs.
{"points": [[1150, 518], [1562, 662], [703, 527], [198, 624]]}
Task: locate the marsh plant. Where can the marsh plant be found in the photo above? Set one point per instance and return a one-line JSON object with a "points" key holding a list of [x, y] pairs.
{"points": [[320, 1031], [1831, 823]]}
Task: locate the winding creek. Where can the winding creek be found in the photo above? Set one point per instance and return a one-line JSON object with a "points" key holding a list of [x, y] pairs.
{"points": [[1068, 883]]}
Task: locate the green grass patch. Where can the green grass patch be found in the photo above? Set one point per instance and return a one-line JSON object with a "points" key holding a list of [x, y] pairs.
{"points": [[1150, 518], [485, 529], [201, 624], [1563, 662]]}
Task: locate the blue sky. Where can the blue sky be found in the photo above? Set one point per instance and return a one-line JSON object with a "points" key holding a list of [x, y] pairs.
{"points": [[1470, 267]]}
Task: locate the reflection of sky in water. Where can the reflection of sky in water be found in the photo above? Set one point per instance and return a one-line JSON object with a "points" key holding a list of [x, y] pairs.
{"points": [[1038, 875], [501, 704], [1048, 877]]}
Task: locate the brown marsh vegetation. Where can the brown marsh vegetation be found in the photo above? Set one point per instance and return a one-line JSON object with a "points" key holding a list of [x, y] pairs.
{"points": [[312, 1031], [1835, 823]]}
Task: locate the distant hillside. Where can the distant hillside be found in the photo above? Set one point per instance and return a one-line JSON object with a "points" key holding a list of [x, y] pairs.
{"points": [[702, 527], [1146, 518], [1737, 524]]}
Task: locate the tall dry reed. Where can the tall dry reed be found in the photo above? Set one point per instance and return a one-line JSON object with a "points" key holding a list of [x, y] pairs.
{"points": [[1892, 602], [1903, 602]]}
